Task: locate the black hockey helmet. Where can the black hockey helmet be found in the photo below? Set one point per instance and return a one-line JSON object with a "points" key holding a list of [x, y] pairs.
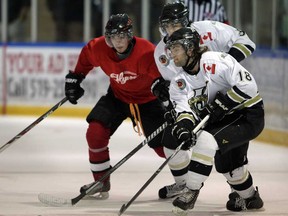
{"points": [[119, 24], [187, 37], [175, 12]]}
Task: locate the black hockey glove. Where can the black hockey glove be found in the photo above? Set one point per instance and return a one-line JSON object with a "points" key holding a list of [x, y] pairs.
{"points": [[182, 131], [160, 88], [73, 90], [217, 109], [170, 117]]}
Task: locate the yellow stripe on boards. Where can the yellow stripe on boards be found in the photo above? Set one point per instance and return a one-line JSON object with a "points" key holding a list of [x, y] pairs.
{"points": [[274, 137], [38, 111]]}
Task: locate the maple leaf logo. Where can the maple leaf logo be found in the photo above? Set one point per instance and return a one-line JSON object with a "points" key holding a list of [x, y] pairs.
{"points": [[209, 68]]}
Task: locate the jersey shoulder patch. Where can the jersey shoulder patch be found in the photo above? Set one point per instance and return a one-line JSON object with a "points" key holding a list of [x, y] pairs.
{"points": [[181, 83], [164, 60]]}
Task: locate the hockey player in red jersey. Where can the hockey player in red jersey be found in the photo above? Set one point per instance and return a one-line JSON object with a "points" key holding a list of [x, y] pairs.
{"points": [[130, 65]]}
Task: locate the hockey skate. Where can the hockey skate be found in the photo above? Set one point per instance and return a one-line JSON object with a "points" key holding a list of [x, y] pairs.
{"points": [[100, 191], [237, 203], [170, 191], [186, 201]]}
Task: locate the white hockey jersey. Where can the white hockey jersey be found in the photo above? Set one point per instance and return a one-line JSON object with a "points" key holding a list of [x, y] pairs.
{"points": [[216, 36], [218, 72]]}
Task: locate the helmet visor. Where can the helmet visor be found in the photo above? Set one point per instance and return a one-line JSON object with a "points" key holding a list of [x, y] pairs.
{"points": [[164, 24]]}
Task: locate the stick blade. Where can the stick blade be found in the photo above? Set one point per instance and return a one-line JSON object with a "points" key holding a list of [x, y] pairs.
{"points": [[122, 210], [51, 200]]}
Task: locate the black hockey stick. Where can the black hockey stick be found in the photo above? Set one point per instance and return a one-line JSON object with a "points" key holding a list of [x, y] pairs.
{"points": [[45, 115], [125, 206], [55, 201]]}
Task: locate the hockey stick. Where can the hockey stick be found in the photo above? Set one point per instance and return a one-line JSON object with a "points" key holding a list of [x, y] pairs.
{"points": [[45, 115], [125, 206], [56, 201]]}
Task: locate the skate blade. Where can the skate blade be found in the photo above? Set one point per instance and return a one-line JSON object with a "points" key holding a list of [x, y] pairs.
{"points": [[98, 196], [179, 212]]}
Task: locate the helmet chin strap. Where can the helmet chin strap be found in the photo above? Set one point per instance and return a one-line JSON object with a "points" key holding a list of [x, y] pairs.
{"points": [[188, 68]]}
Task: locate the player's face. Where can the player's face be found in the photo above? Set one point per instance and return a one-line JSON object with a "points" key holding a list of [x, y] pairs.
{"points": [[120, 42], [172, 27], [178, 54]]}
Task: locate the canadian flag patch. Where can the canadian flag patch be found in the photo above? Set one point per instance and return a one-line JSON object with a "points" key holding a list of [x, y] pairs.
{"points": [[206, 37], [209, 68]]}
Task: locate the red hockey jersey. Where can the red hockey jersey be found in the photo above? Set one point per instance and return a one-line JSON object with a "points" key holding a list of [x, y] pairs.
{"points": [[130, 78]]}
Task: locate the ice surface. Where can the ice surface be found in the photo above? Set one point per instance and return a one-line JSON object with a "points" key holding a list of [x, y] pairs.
{"points": [[52, 158]]}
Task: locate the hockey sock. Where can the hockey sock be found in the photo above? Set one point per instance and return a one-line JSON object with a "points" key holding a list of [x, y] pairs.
{"points": [[98, 138], [201, 160], [159, 151], [178, 165], [241, 181]]}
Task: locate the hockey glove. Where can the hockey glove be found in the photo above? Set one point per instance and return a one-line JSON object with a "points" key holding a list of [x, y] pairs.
{"points": [[217, 109], [160, 88], [73, 90], [182, 131], [170, 116]]}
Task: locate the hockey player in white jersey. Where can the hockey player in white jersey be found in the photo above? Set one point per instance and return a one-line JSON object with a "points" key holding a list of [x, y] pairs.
{"points": [[215, 84], [217, 37]]}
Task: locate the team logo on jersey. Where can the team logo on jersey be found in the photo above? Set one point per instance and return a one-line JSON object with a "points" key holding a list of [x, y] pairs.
{"points": [[206, 37], [123, 77], [181, 83], [198, 98], [209, 68], [164, 60]]}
